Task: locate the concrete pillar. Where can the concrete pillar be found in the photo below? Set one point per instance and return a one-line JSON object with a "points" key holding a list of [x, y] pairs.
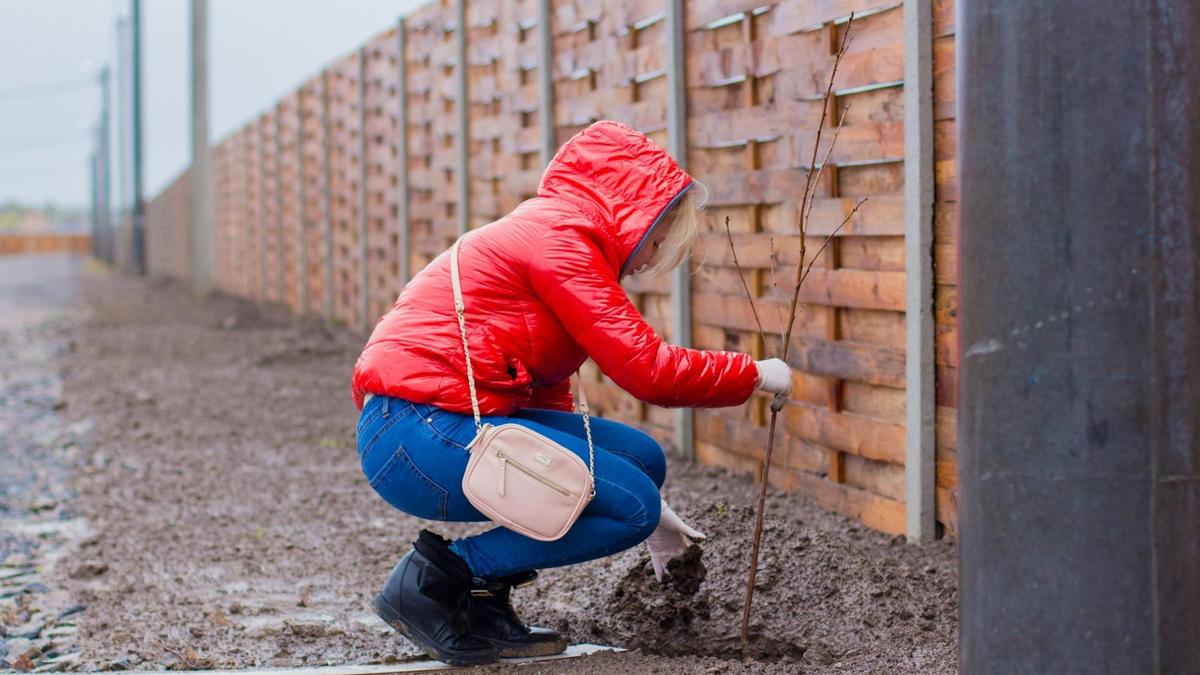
{"points": [[1079, 432]]}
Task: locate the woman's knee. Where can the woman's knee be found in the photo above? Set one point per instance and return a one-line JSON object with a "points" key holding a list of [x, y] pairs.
{"points": [[648, 454], [642, 518]]}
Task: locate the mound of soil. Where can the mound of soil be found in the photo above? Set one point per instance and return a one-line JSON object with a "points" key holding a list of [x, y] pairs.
{"points": [[235, 528]]}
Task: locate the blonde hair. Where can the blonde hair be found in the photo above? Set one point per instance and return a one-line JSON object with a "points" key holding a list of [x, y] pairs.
{"points": [[683, 221]]}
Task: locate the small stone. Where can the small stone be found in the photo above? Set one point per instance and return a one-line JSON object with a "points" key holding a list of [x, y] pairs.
{"points": [[89, 569]]}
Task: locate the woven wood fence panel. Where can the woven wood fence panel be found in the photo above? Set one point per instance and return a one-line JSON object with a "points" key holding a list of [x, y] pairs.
{"points": [[755, 74], [756, 81], [945, 261]]}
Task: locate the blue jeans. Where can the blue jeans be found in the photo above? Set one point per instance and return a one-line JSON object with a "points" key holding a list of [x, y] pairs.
{"points": [[413, 455]]}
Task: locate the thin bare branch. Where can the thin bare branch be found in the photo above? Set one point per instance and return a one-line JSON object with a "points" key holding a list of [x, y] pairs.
{"points": [[804, 217], [809, 183], [774, 284], [742, 276], [830, 238]]}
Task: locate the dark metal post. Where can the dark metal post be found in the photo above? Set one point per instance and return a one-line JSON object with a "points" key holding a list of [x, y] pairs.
{"points": [[139, 205], [1079, 432]]}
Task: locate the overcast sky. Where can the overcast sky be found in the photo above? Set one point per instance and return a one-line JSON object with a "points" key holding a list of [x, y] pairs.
{"points": [[51, 50]]}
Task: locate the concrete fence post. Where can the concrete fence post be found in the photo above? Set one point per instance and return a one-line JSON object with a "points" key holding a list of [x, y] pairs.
{"points": [[280, 277], [364, 250], [681, 279], [546, 81], [463, 110], [302, 207], [326, 203], [920, 409], [402, 150], [260, 277]]}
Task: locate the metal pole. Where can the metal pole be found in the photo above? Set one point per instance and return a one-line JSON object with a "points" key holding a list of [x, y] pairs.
{"points": [[1079, 439], [202, 225], [139, 205], [302, 208], [106, 235], [681, 280], [326, 200], [405, 252], [464, 141], [364, 293], [918, 262], [94, 181], [546, 81], [121, 256]]}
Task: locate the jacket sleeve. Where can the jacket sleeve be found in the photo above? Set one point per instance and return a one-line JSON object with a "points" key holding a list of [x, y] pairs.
{"points": [[555, 397], [569, 273]]}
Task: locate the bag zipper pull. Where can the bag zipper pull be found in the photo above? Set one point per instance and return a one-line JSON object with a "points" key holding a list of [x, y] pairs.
{"points": [[503, 464]]}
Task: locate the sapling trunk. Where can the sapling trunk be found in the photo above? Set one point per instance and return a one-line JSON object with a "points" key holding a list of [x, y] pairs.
{"points": [[812, 179]]}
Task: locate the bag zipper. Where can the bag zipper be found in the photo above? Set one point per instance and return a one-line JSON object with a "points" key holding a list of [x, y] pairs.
{"points": [[506, 460]]}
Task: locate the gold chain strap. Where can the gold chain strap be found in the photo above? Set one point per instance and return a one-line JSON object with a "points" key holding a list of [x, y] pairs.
{"points": [[462, 329]]}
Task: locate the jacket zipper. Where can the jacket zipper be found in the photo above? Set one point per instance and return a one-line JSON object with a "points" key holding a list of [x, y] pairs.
{"points": [[506, 460]]}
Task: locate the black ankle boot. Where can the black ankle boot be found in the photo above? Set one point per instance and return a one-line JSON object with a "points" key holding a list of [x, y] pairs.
{"points": [[493, 618], [426, 599]]}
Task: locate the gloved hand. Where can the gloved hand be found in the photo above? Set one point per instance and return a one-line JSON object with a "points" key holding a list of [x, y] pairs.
{"points": [[775, 375], [669, 540]]}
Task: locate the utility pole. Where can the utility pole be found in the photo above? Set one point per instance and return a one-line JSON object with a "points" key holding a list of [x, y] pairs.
{"points": [[201, 206], [102, 179], [94, 180], [139, 207], [121, 257]]}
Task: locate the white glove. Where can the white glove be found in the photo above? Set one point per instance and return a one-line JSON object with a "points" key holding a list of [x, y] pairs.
{"points": [[775, 376], [669, 540]]}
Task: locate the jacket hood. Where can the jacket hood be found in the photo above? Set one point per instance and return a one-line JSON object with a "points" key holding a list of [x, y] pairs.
{"points": [[620, 180]]}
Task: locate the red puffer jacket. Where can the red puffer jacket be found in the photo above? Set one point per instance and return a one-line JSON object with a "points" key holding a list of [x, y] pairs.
{"points": [[541, 294]]}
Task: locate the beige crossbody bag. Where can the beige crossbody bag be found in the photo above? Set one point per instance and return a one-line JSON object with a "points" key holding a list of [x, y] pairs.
{"points": [[517, 477]]}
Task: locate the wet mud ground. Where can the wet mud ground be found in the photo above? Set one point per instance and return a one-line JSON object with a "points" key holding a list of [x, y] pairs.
{"points": [[231, 527]]}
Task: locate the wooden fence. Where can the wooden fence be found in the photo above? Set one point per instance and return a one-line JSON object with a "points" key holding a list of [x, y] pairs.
{"points": [[349, 185], [16, 243]]}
